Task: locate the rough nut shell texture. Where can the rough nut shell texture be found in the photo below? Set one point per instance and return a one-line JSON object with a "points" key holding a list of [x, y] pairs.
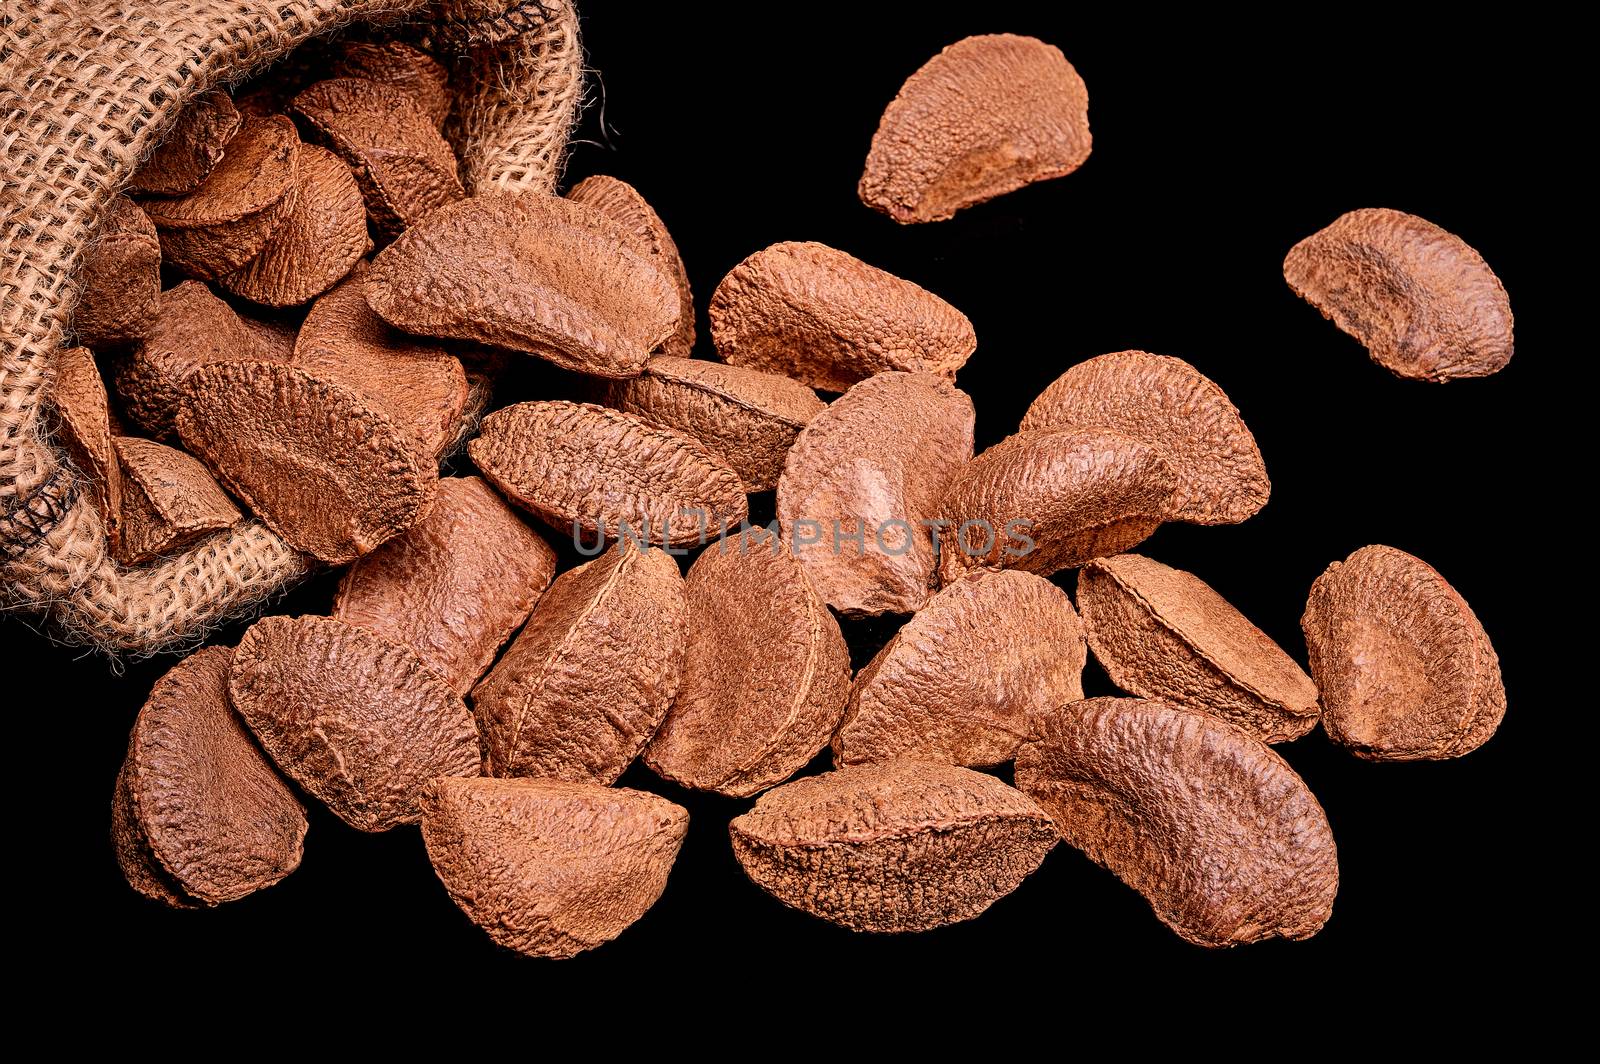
{"points": [[1075, 494], [593, 673], [829, 320], [83, 425], [747, 417], [958, 684], [168, 500], [1167, 403], [358, 721], [603, 473], [548, 868], [1165, 634], [121, 278], [205, 819], [529, 272], [765, 672], [898, 846], [397, 64], [1405, 668], [1216, 831], [1423, 302], [194, 147], [985, 116]]}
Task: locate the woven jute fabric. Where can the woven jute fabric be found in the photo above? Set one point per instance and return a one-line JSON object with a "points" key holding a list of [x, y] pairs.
{"points": [[87, 89]]}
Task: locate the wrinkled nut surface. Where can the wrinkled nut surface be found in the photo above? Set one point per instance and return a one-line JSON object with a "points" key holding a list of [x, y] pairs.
{"points": [[1422, 301], [358, 721], [591, 676], [397, 64], [828, 319], [1167, 403], [985, 116], [1165, 634], [529, 272], [875, 463], [958, 683], [83, 426], [898, 846], [453, 587], [331, 475], [606, 474], [274, 339], [765, 672], [1405, 668], [648, 234], [201, 817], [192, 150], [169, 500], [121, 278], [748, 418], [549, 868], [1047, 501]]}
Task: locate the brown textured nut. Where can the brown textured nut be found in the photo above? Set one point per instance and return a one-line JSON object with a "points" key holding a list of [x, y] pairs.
{"points": [[331, 475], [549, 868], [192, 150], [607, 474], [455, 586], [1165, 634], [1076, 495], [747, 417], [228, 219], [1405, 668], [648, 234], [985, 116], [1218, 833], [958, 683], [121, 278], [877, 462], [897, 846], [1167, 403], [765, 672], [315, 245], [404, 166], [83, 425], [357, 720], [592, 675], [203, 818], [400, 66], [530, 272], [168, 501], [274, 340], [1423, 303]]}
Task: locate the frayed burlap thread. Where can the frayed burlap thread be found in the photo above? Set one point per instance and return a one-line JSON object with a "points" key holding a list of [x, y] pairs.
{"points": [[87, 88]]}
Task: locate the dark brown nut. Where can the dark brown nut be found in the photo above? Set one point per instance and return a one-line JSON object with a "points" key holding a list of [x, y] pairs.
{"points": [[747, 417], [765, 672], [315, 245], [357, 720], [1405, 668], [1216, 831], [83, 425], [331, 475], [898, 846], [1047, 501], [874, 465], [397, 64], [529, 272], [606, 474], [648, 234], [121, 278], [1167, 403], [1423, 303], [274, 340], [455, 586], [228, 219], [1165, 634], [192, 150], [404, 166], [828, 319], [592, 675], [958, 683], [169, 500], [200, 817], [985, 116], [548, 868]]}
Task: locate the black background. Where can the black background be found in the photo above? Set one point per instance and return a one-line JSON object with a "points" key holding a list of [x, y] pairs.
{"points": [[1217, 145]]}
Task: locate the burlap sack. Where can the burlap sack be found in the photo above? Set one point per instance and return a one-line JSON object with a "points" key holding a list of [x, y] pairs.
{"points": [[87, 88]]}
